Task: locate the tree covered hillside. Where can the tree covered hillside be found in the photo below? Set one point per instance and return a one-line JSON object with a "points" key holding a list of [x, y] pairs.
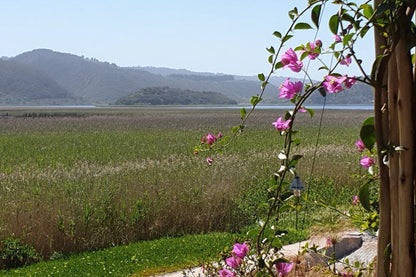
{"points": [[21, 84], [174, 96]]}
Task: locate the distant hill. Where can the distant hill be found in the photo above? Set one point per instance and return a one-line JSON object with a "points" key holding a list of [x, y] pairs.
{"points": [[44, 76], [21, 84], [94, 81], [174, 96]]}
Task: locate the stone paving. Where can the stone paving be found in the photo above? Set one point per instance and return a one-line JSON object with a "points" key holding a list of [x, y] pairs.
{"points": [[353, 246]]}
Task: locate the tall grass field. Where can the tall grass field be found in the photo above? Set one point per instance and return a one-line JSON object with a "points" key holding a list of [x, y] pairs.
{"points": [[83, 179]]}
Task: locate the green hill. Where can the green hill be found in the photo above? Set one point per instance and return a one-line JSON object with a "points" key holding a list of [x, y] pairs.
{"points": [[21, 84], [44, 76], [174, 96]]}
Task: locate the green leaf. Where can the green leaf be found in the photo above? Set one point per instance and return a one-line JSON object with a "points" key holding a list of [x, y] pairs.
{"points": [[333, 24], [277, 34], [364, 31], [367, 11], [302, 26], [235, 129], [253, 233], [255, 100], [270, 50], [322, 91], [364, 195], [311, 112], [315, 14], [243, 113], [286, 38], [270, 59], [304, 55], [261, 77], [367, 133], [295, 160], [296, 141], [347, 17], [299, 48], [347, 38], [278, 65]]}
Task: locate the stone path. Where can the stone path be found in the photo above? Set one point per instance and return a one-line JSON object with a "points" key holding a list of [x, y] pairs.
{"points": [[353, 246]]}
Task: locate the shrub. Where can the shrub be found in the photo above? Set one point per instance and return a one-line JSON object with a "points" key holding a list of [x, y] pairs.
{"points": [[14, 253]]}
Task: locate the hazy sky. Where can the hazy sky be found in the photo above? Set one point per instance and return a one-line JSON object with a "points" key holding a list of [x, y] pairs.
{"points": [[226, 36]]}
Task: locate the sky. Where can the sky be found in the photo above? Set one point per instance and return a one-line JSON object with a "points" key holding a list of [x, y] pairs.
{"points": [[218, 36]]}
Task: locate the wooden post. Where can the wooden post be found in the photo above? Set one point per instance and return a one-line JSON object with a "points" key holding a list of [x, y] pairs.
{"points": [[406, 157], [382, 131], [393, 162]]}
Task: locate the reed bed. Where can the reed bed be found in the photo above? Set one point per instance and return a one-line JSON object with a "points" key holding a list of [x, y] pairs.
{"points": [[95, 178]]}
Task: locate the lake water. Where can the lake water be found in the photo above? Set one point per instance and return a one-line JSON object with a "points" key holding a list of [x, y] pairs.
{"points": [[260, 107], [271, 107]]}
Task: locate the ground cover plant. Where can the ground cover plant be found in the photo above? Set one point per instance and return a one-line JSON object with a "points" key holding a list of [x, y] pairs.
{"points": [[137, 259], [103, 177]]}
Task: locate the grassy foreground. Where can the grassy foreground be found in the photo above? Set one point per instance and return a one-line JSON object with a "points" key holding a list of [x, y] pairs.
{"points": [[138, 259], [80, 180]]}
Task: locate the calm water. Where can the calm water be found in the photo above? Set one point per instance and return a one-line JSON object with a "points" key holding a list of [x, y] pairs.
{"points": [[261, 107], [270, 107]]}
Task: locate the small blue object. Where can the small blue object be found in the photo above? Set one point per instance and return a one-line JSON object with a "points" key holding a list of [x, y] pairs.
{"points": [[296, 184]]}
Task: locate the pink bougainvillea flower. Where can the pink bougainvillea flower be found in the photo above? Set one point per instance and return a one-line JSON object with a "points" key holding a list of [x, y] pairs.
{"points": [[226, 273], [281, 125], [219, 135], [347, 274], [288, 89], [310, 49], [333, 84], [367, 162], [283, 268], [209, 161], [233, 262], [290, 60], [240, 250], [355, 200], [318, 43], [360, 145], [349, 81], [210, 139], [337, 38], [345, 61], [302, 110]]}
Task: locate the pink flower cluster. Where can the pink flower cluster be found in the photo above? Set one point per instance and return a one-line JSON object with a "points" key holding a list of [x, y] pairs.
{"points": [[210, 138], [281, 125], [355, 200], [367, 162], [337, 38], [290, 60], [333, 84], [289, 89], [310, 49], [360, 145], [345, 60], [238, 254]]}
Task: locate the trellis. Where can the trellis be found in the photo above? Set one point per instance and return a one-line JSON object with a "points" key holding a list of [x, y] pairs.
{"points": [[395, 121]]}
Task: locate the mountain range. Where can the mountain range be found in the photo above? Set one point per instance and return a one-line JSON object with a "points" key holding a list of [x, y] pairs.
{"points": [[44, 77]]}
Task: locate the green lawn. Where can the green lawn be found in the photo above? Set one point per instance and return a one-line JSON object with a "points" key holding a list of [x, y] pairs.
{"points": [[141, 259]]}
